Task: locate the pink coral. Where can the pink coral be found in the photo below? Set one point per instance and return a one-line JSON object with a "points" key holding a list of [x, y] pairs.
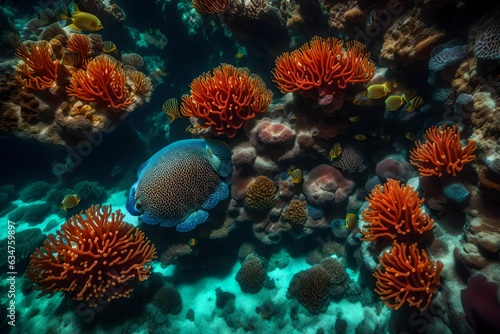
{"points": [[325, 183]]}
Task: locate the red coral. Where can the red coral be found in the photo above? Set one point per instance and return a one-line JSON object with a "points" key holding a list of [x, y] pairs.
{"points": [[442, 152], [323, 68], [394, 212], [94, 256], [407, 276], [103, 82], [226, 99], [80, 44], [38, 70]]}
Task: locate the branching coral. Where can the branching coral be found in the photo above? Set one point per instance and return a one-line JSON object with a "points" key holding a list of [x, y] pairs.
{"points": [[442, 152], [102, 82], [211, 6], [323, 68], [394, 212], [38, 70], [261, 194], [80, 44], [226, 99], [94, 256], [407, 276]]}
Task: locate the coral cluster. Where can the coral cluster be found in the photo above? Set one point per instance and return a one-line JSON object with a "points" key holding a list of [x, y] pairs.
{"points": [[94, 256]]}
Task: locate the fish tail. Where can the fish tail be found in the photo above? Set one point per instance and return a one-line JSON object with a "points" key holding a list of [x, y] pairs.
{"points": [[62, 207], [63, 15]]}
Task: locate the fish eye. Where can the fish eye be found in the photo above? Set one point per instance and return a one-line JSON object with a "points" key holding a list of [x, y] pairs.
{"points": [[138, 206]]}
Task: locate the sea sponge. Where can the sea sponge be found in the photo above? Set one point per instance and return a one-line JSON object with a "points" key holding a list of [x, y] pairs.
{"points": [[296, 213], [252, 274], [261, 194]]}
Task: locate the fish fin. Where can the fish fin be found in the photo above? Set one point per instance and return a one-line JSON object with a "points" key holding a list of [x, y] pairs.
{"points": [[74, 8], [141, 168], [131, 202], [196, 218], [62, 207], [153, 219], [74, 26], [221, 193], [221, 157]]}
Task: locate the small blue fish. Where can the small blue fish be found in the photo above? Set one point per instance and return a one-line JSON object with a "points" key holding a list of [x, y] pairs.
{"points": [[179, 183]]}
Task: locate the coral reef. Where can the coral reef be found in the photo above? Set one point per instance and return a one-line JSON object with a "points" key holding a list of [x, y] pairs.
{"points": [[252, 274]]}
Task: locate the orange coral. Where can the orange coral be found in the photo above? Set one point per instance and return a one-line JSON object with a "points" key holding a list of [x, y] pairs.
{"points": [[103, 81], [211, 6], [80, 44], [38, 70], [94, 256], [442, 152], [141, 83], [323, 68], [407, 276], [226, 99], [394, 212]]}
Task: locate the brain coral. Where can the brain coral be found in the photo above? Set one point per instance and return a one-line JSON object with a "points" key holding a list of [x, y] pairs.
{"points": [[261, 194], [177, 184], [252, 274], [296, 213], [311, 288]]}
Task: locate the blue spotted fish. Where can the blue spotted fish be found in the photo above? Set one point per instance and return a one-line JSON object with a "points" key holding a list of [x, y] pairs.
{"points": [[180, 182]]}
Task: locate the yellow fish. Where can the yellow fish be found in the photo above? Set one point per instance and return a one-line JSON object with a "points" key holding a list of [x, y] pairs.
{"points": [[296, 174], [354, 119], [171, 108], [108, 46], [378, 91], [336, 151], [410, 136], [192, 242], [239, 55], [69, 202], [414, 104], [78, 20], [351, 221], [360, 137], [393, 102], [409, 94]]}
